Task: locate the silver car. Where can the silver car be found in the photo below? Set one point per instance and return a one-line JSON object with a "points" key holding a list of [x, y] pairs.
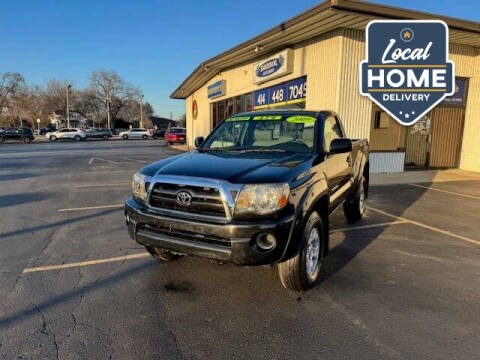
{"points": [[67, 133], [135, 133]]}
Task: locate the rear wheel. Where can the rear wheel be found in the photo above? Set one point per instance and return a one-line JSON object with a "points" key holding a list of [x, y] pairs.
{"points": [[170, 143], [26, 140], [105, 137], [53, 138], [2, 139], [301, 272], [354, 206], [145, 137], [77, 138], [125, 137], [161, 255]]}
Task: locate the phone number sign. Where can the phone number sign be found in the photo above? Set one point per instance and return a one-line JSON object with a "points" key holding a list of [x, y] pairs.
{"points": [[290, 92]]}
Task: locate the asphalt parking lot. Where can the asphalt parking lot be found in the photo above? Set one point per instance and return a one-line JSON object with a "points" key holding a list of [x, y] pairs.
{"points": [[401, 284]]}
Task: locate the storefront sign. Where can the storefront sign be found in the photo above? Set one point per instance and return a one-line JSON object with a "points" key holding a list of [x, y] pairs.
{"points": [[277, 65], [460, 93], [407, 71], [290, 92], [216, 89]]}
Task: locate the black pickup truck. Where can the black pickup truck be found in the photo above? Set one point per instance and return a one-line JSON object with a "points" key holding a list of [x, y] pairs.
{"points": [[258, 190]]}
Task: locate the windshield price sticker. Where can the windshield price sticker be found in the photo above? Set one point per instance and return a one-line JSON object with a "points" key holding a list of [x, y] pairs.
{"points": [[301, 119], [407, 71], [268, 117], [238, 118]]}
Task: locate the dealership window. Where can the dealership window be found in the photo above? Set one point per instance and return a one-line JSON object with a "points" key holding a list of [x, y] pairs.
{"points": [[220, 110]]}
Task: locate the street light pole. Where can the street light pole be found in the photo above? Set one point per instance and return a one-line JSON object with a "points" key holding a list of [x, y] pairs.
{"points": [[141, 112], [68, 109], [108, 110]]}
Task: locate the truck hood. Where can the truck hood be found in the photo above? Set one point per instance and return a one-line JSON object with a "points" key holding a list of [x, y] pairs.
{"points": [[236, 167]]}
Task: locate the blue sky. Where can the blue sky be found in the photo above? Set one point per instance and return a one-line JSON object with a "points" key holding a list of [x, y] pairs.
{"points": [[151, 44]]}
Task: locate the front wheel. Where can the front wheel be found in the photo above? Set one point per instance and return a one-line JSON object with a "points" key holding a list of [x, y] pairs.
{"points": [[301, 272], [125, 137], [354, 206], [53, 138], [77, 138], [161, 255], [145, 137]]}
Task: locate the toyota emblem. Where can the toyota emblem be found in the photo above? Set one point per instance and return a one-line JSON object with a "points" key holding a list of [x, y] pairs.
{"points": [[184, 198]]}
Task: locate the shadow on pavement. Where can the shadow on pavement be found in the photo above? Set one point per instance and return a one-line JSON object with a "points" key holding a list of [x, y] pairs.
{"points": [[55, 224], [22, 198], [17, 176]]}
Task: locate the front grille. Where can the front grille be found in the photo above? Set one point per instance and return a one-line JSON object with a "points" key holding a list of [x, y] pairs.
{"points": [[205, 200], [187, 235]]}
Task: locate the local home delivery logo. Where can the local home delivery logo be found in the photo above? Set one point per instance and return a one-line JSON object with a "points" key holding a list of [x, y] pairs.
{"points": [[407, 71]]}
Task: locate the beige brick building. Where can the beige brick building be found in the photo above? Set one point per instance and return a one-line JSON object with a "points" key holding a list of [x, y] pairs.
{"points": [[322, 49]]}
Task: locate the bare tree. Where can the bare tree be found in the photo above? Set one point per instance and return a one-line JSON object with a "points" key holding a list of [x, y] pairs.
{"points": [[10, 83], [112, 90]]}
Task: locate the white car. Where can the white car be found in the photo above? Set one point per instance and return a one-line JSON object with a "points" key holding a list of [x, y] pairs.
{"points": [[135, 133], [67, 133]]}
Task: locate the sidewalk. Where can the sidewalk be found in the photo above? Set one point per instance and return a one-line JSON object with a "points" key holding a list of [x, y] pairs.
{"points": [[423, 176]]}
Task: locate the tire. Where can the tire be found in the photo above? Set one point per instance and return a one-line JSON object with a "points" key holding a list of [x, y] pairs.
{"points": [[105, 137], [145, 137], [2, 139], [77, 138], [125, 137], [26, 140], [301, 272], [161, 255], [170, 143], [53, 138], [354, 205]]}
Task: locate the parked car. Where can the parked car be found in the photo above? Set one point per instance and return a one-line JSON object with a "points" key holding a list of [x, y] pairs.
{"points": [[159, 134], [67, 134], [20, 134], [176, 135], [258, 190], [94, 133], [135, 133], [45, 130]]}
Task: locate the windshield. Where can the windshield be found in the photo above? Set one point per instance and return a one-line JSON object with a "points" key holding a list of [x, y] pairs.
{"points": [[280, 132]]}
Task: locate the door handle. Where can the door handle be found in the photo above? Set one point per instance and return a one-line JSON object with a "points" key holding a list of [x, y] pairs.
{"points": [[349, 160]]}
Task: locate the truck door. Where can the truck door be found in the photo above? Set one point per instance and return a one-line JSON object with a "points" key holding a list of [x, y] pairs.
{"points": [[338, 166]]}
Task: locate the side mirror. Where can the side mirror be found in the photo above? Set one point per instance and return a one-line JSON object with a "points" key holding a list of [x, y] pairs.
{"points": [[338, 146], [198, 141]]}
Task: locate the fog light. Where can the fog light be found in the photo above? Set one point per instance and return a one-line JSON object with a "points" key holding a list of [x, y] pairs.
{"points": [[266, 241]]}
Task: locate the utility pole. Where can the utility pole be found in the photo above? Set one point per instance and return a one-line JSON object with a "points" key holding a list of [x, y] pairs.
{"points": [[108, 110], [141, 112], [68, 109]]}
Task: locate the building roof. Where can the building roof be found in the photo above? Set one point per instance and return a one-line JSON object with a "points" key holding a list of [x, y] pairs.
{"points": [[325, 17]]}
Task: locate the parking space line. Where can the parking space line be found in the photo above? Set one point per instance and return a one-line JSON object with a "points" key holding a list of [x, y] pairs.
{"points": [[100, 185], [85, 263], [446, 191], [425, 226], [370, 226], [92, 208]]}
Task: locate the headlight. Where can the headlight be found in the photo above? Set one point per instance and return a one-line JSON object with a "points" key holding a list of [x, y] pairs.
{"points": [[262, 198], [138, 187]]}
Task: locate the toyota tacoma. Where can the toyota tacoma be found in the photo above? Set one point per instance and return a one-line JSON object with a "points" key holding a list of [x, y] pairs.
{"points": [[258, 190]]}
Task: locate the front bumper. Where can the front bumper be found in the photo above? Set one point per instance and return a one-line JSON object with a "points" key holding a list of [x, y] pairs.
{"points": [[233, 242]]}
